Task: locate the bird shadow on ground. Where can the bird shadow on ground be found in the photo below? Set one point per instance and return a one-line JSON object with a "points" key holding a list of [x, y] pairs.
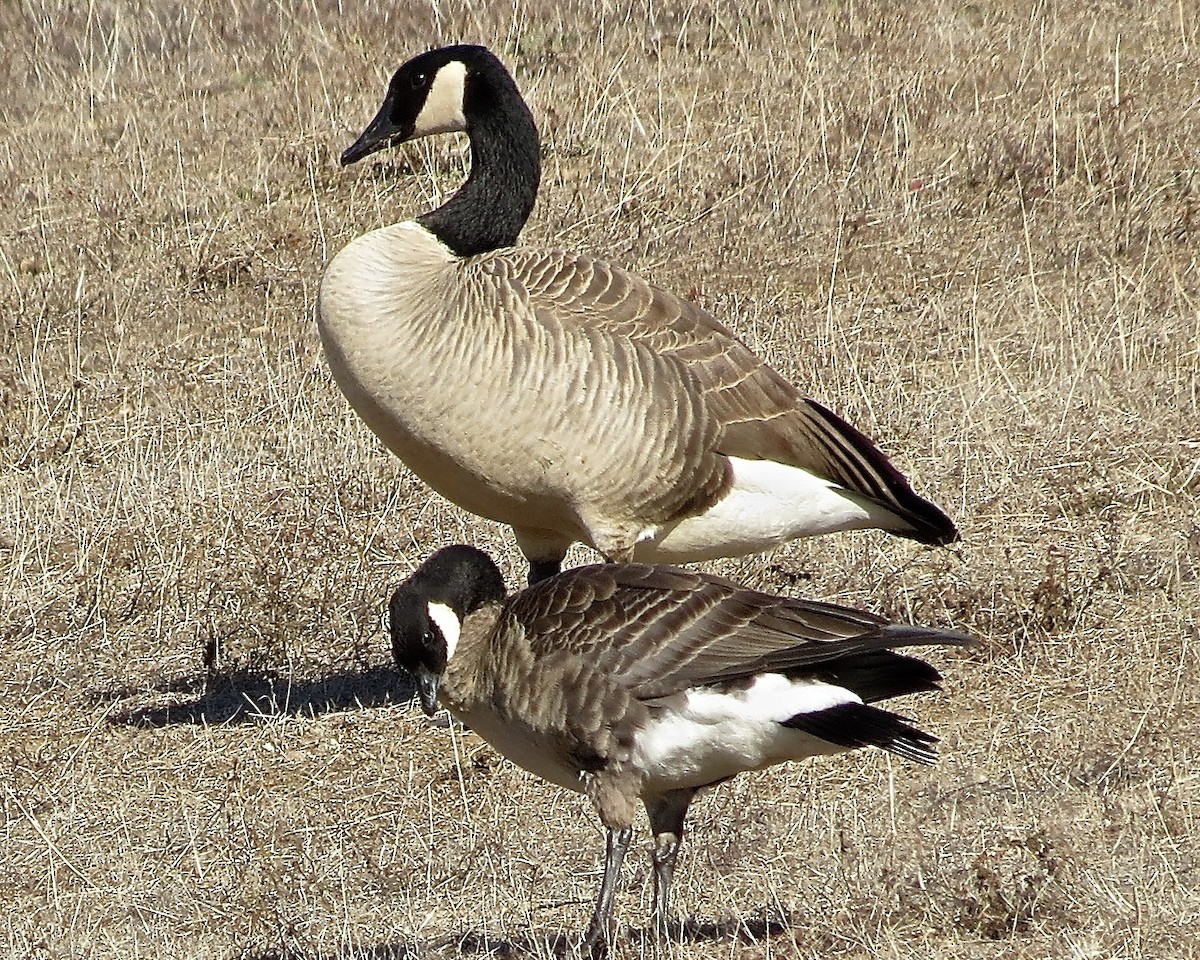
{"points": [[557, 943], [251, 696], [735, 929], [541, 943]]}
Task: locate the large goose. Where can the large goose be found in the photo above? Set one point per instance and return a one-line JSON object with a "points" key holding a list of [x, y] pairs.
{"points": [[640, 686], [564, 396]]}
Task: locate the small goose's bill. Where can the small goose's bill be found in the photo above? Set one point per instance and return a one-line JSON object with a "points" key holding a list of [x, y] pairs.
{"points": [[427, 689], [438, 106]]}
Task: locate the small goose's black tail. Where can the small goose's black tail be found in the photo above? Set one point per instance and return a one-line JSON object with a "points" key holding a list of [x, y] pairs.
{"points": [[875, 675], [853, 725], [882, 674]]}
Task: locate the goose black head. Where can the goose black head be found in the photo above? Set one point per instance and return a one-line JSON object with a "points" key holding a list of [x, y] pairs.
{"points": [[435, 92], [426, 613]]}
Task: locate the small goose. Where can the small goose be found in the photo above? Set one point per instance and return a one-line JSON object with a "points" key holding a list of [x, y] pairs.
{"points": [[640, 685], [565, 397]]}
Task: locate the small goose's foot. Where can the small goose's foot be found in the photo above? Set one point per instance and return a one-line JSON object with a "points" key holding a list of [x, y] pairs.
{"points": [[595, 941], [594, 945]]}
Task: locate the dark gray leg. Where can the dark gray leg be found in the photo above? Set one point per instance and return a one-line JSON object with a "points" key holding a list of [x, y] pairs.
{"points": [[544, 549], [666, 814], [541, 569], [618, 844]]}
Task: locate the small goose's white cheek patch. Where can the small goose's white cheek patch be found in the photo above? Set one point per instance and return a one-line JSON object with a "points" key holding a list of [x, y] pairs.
{"points": [[443, 110], [448, 622]]}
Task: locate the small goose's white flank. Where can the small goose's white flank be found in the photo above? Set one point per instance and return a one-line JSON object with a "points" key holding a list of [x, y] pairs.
{"points": [[564, 396], [640, 686]]}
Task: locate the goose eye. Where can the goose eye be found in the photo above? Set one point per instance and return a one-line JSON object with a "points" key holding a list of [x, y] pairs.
{"points": [[418, 80]]}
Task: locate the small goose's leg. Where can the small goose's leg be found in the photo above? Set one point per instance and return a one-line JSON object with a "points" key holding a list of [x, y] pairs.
{"points": [[667, 812], [618, 844]]}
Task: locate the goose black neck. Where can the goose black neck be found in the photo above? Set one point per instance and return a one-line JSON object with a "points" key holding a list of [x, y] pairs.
{"points": [[489, 210]]}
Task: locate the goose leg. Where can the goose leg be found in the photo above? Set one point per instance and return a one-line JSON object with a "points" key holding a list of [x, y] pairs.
{"points": [[544, 550], [618, 844], [541, 569], [667, 812]]}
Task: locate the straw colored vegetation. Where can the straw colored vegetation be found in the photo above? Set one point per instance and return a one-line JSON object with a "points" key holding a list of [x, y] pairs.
{"points": [[971, 228]]}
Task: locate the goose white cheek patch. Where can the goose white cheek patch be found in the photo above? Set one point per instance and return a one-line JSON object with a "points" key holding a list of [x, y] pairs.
{"points": [[443, 110], [448, 622]]}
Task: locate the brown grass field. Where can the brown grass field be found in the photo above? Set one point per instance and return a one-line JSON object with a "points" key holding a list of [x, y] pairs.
{"points": [[972, 228]]}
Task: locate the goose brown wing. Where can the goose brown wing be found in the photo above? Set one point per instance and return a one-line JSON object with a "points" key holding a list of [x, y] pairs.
{"points": [[660, 630], [761, 415]]}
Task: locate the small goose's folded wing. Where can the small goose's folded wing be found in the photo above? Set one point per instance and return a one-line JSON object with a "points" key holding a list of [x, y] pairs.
{"points": [[660, 630], [761, 415]]}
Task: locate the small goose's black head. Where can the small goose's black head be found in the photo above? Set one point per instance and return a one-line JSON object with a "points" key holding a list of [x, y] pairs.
{"points": [[426, 612]]}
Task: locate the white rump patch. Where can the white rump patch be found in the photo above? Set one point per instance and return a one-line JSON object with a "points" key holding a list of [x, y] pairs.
{"points": [[767, 504], [443, 110], [704, 734], [448, 622]]}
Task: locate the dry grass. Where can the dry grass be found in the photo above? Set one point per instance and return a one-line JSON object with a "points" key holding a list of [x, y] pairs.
{"points": [[972, 228]]}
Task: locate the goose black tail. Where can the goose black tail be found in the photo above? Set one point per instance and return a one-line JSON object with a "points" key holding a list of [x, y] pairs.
{"points": [[882, 674], [853, 725], [862, 467]]}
